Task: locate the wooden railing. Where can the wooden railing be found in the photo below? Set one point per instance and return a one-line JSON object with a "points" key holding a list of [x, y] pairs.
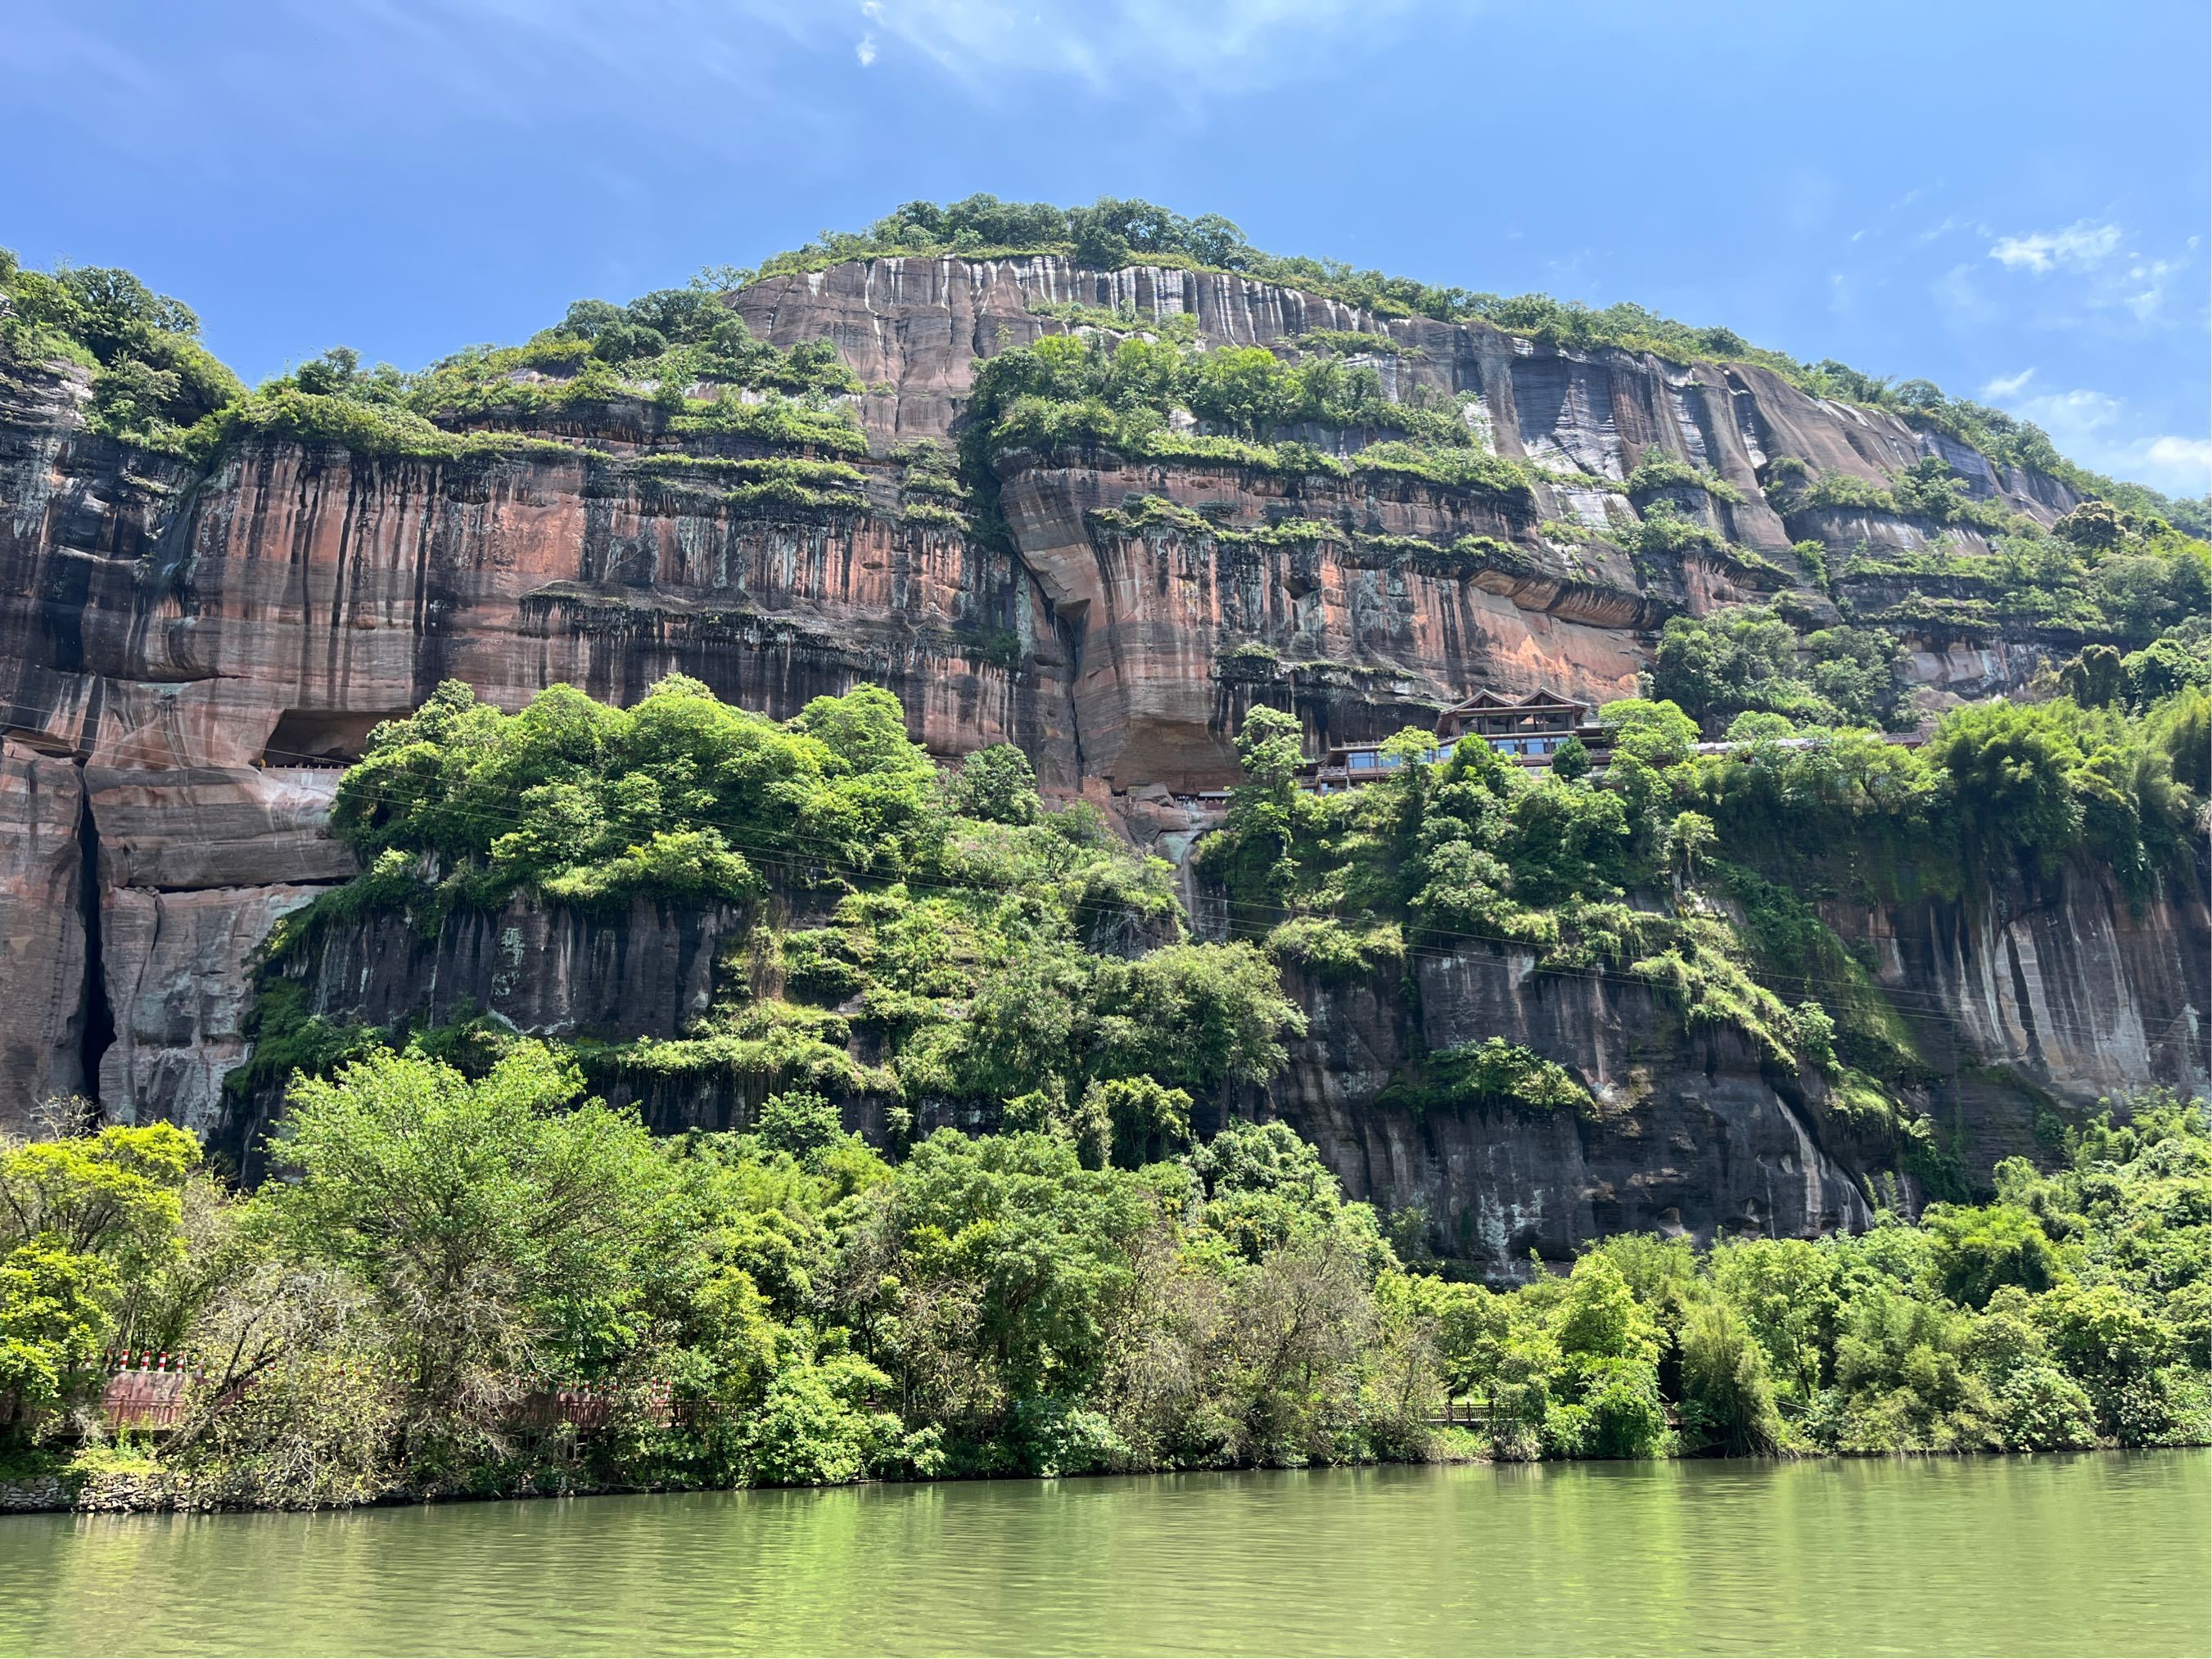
{"points": [[146, 1390], [1463, 1414]]}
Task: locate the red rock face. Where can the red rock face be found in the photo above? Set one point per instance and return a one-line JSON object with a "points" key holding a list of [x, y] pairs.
{"points": [[178, 981], [915, 328], [189, 649], [190, 654], [337, 590], [1176, 633]]}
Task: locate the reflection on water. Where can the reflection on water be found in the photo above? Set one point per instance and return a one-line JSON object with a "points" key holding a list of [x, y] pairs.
{"points": [[2101, 1552]]}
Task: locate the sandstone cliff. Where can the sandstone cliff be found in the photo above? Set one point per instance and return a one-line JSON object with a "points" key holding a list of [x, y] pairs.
{"points": [[186, 653]]}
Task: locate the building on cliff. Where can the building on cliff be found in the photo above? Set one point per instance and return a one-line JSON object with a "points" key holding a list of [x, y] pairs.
{"points": [[1529, 729]]}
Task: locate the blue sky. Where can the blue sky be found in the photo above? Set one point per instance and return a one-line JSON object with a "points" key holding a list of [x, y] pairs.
{"points": [[2009, 200]]}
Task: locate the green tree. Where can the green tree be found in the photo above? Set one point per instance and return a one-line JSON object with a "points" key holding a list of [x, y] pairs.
{"points": [[1264, 1188], [55, 1321], [997, 782], [488, 1220], [116, 1195], [1011, 1260], [800, 1123], [1726, 1391], [1144, 1121], [2040, 1408], [330, 374], [2107, 1341], [2164, 667], [1855, 674], [2094, 677], [816, 1425], [1599, 1317], [1717, 666], [2184, 731], [1786, 1291], [1979, 1250], [1193, 1016], [1270, 747], [1658, 733], [1689, 837]]}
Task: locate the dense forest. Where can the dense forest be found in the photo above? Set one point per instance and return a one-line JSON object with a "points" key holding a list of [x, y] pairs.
{"points": [[786, 1307]]}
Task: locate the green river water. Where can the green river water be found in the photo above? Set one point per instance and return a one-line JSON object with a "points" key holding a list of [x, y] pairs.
{"points": [[2095, 1553]]}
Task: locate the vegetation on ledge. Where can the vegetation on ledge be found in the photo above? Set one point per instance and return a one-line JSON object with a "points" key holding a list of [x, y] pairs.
{"points": [[680, 350], [151, 377], [154, 382], [1115, 231], [1243, 407], [985, 947], [2098, 573], [1635, 873]]}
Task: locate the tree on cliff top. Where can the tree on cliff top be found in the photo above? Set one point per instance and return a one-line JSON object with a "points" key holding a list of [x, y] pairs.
{"points": [[152, 377]]}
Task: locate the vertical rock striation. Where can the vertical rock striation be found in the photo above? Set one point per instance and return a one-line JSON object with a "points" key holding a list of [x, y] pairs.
{"points": [[188, 656]]}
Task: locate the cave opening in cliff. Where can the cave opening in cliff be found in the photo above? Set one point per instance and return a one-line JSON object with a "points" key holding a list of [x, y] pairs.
{"points": [[96, 1018], [324, 736]]}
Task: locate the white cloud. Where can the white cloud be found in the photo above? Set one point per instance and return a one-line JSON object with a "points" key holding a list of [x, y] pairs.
{"points": [[2148, 278], [2078, 415], [2094, 429], [2187, 458], [2082, 245], [865, 50], [2088, 273]]}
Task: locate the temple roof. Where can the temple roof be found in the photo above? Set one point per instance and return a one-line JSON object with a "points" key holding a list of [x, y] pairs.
{"points": [[1488, 702]]}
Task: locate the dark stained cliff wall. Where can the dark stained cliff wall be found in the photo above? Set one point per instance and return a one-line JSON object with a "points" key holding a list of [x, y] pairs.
{"points": [[2045, 993]]}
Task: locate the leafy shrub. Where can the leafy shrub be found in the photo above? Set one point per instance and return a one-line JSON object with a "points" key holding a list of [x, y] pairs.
{"points": [[799, 1123], [997, 783], [1327, 949], [1495, 1073], [1658, 472], [152, 378]]}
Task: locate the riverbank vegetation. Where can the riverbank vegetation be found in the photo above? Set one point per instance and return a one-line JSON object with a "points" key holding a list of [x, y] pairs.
{"points": [[450, 1263]]}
